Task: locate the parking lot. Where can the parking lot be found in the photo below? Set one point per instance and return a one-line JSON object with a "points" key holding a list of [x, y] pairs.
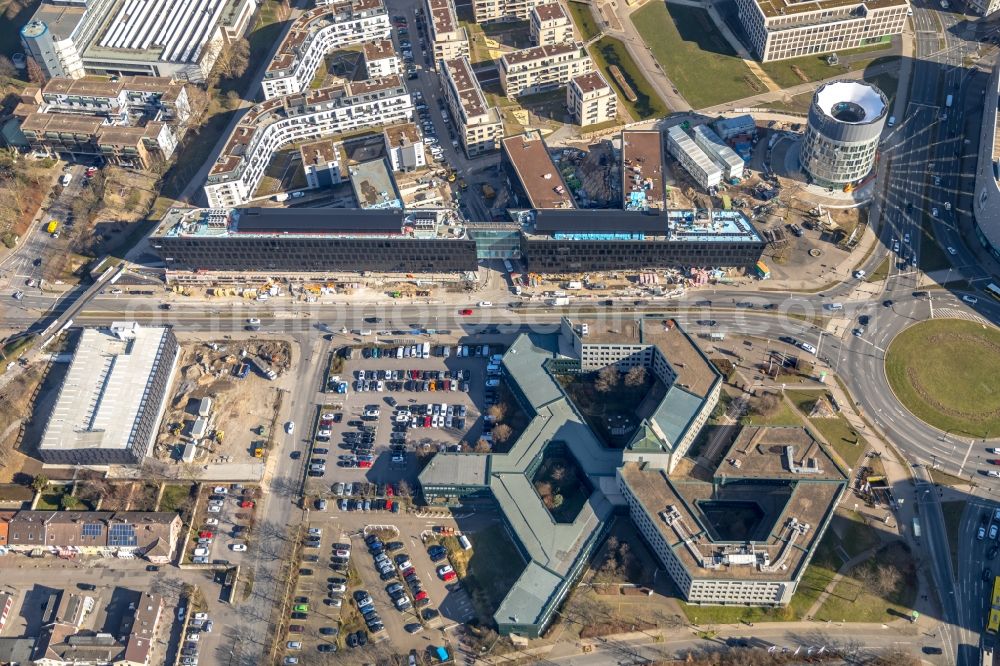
{"points": [[397, 405], [223, 521]]}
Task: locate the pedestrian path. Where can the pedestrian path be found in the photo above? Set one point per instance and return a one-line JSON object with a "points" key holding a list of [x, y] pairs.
{"points": [[952, 313]]}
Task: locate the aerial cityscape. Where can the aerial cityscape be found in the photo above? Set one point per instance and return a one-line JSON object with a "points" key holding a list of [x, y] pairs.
{"points": [[567, 332]]}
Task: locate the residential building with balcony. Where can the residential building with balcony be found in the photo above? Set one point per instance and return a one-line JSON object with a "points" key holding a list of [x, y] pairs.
{"points": [[316, 33], [449, 40], [486, 11], [550, 24], [480, 126], [380, 58], [542, 68], [404, 147], [317, 114], [591, 100]]}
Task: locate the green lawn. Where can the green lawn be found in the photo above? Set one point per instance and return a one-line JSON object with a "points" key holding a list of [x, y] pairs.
{"points": [[952, 522], [49, 500], [945, 372], [583, 17], [796, 104], [490, 571], [695, 55], [854, 601], [836, 430], [856, 536], [174, 496], [782, 416], [786, 73], [609, 51], [887, 82], [881, 272]]}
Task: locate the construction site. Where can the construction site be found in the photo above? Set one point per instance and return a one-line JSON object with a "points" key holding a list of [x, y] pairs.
{"points": [[225, 403]]}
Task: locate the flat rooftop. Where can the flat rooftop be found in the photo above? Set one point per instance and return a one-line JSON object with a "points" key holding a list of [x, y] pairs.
{"points": [[61, 20], [643, 183], [169, 30], [104, 391], [551, 12], [714, 226], [379, 49], [403, 134], [761, 453], [544, 52], [695, 373], [773, 8], [590, 82], [306, 25], [538, 174], [319, 153], [444, 20], [467, 87], [374, 186]]}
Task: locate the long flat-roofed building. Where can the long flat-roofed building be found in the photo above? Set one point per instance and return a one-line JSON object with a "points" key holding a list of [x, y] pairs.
{"points": [[111, 401], [644, 185], [550, 24], [173, 38], [486, 11], [718, 151], [782, 29], [591, 100], [316, 114], [532, 177], [541, 68], [70, 117], [449, 39], [745, 537], [697, 163], [121, 534], [480, 126], [316, 33], [312, 240]]}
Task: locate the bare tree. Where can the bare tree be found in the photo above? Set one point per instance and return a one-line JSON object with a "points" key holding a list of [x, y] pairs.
{"points": [[607, 379], [502, 433], [635, 376], [7, 68], [35, 73], [498, 411], [767, 404], [887, 578], [403, 488], [482, 446]]}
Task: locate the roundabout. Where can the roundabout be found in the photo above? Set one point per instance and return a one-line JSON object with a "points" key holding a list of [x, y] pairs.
{"points": [[945, 372]]}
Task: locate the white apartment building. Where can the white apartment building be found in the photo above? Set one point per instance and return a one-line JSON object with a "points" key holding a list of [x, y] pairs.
{"points": [[449, 40], [316, 33], [590, 99], [699, 165], [480, 126], [778, 30], [550, 24], [718, 151], [277, 122], [172, 38], [541, 68], [504, 10], [321, 162], [404, 147], [381, 59]]}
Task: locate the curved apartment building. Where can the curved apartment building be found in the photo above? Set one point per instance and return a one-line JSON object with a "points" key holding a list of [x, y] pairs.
{"points": [[278, 122], [316, 33]]}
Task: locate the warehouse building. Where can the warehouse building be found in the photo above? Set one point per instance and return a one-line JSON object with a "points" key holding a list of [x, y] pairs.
{"points": [[550, 24], [176, 39], [135, 121], [312, 240], [480, 126], [591, 100], [745, 537], [694, 160], [449, 40], [732, 165], [317, 32], [112, 399], [271, 125], [532, 177], [542, 68], [778, 30]]}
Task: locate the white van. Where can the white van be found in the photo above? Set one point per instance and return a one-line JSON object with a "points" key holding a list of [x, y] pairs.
{"points": [[807, 347], [834, 306], [464, 542]]}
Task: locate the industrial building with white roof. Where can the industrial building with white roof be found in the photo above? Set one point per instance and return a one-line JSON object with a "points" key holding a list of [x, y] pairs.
{"points": [[111, 401]]}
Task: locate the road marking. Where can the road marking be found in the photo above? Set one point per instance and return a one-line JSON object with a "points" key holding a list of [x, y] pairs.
{"points": [[967, 452]]}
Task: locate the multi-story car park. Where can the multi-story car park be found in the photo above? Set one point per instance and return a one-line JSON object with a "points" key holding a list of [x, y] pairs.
{"points": [[174, 38], [556, 552], [69, 117], [316, 33], [449, 40], [550, 24], [591, 100], [541, 68], [480, 126], [986, 205], [778, 30], [277, 122], [780, 478], [312, 239], [486, 11]]}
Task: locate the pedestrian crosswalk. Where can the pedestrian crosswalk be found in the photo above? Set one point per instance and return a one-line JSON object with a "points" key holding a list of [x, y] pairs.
{"points": [[952, 313]]}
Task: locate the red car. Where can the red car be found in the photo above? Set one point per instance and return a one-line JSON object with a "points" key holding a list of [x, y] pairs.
{"points": [[247, 504], [420, 595], [994, 461], [388, 490], [388, 505], [427, 422], [205, 535], [408, 571], [450, 576], [465, 313], [364, 464]]}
